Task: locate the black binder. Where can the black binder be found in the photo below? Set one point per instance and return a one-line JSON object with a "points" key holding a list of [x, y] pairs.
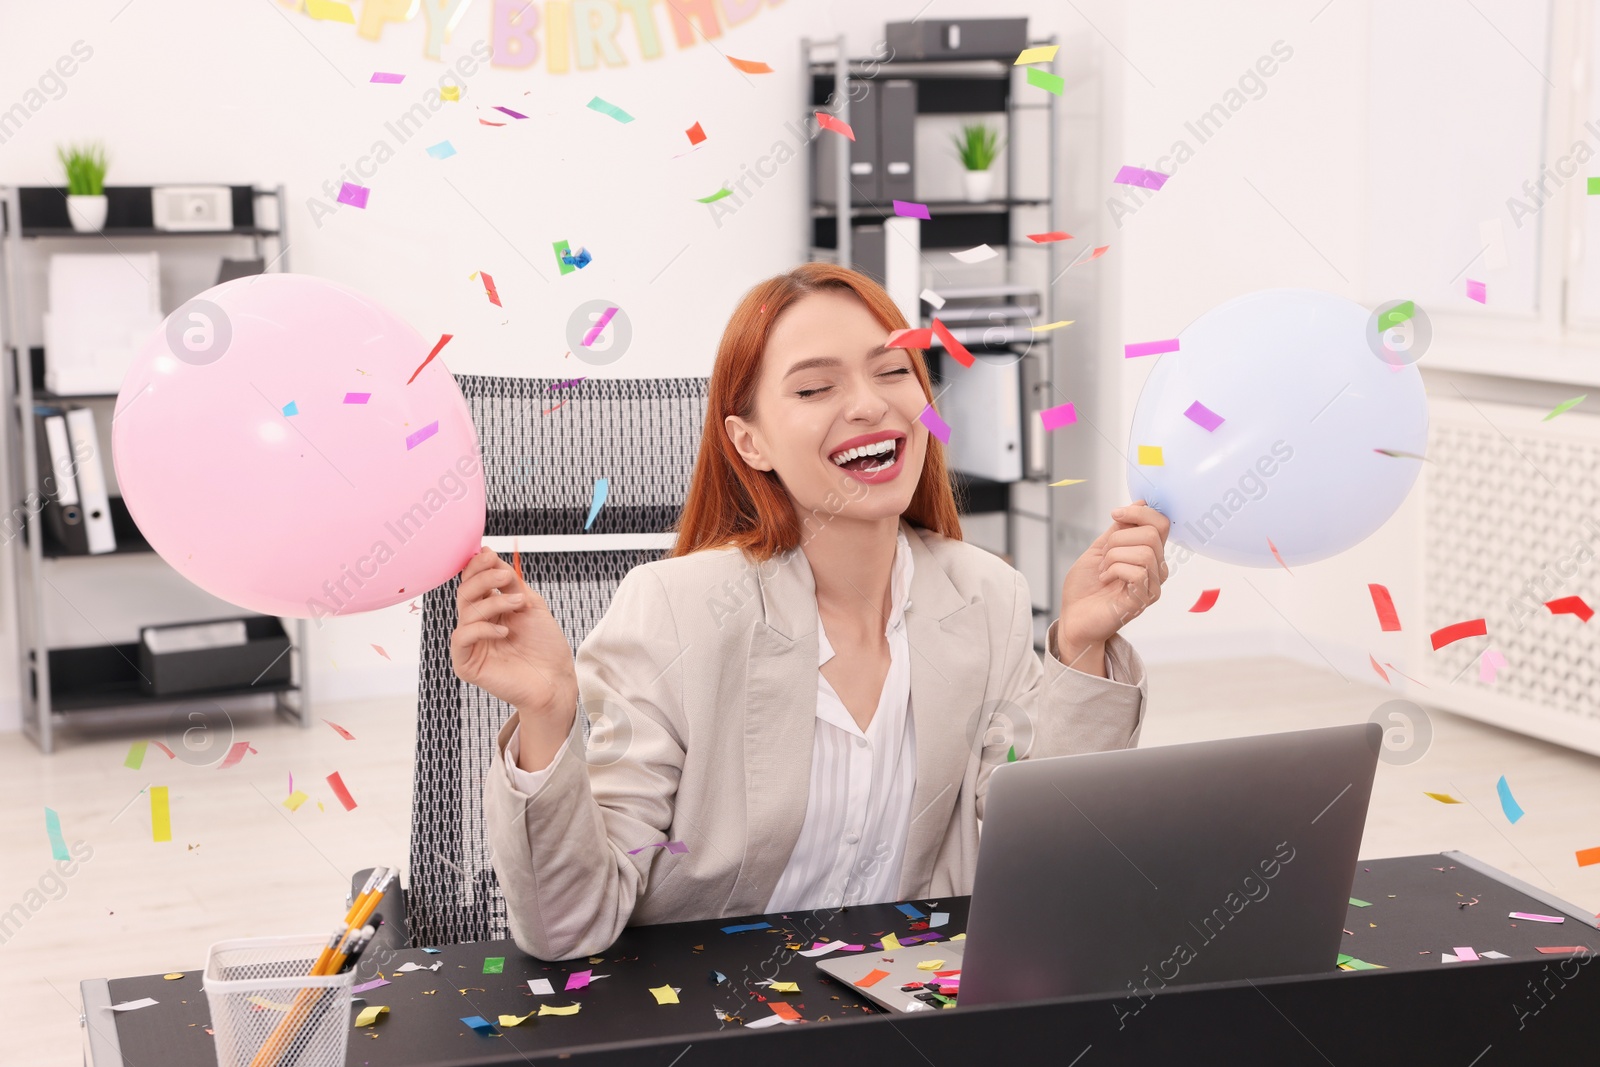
{"points": [[62, 522]]}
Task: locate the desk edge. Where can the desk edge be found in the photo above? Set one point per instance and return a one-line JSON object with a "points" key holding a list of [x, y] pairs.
{"points": [[1549, 900], [105, 1050]]}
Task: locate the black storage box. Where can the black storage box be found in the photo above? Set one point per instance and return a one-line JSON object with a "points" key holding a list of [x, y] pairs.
{"points": [[956, 39], [231, 666]]}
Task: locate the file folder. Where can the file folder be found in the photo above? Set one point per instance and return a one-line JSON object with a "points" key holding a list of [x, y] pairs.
{"points": [[59, 510], [91, 480]]}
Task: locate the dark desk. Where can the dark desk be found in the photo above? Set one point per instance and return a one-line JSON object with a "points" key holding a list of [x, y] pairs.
{"points": [[1530, 1007]]}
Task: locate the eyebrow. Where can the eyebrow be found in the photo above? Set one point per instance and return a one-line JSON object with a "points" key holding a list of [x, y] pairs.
{"points": [[831, 361]]}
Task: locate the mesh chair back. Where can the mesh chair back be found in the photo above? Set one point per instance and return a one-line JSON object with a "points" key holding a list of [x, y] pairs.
{"points": [[540, 467]]}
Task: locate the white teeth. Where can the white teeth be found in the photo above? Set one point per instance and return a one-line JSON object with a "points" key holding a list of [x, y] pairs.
{"points": [[878, 448]]}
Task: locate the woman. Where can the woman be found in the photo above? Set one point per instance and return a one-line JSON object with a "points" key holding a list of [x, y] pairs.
{"points": [[811, 691]]}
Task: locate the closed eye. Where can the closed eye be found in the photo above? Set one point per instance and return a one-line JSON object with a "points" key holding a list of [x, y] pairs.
{"points": [[806, 393]]}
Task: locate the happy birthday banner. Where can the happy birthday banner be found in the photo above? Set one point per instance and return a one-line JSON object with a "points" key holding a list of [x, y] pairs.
{"points": [[563, 33]]}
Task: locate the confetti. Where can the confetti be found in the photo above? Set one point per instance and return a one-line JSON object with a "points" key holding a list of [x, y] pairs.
{"points": [[1043, 79], [746, 927], [1150, 456], [1374, 661], [1397, 314], [1145, 179], [330, 11], [354, 195], [1069, 481], [601, 487], [822, 948], [1149, 348], [384, 78], [930, 965], [174, 976], [714, 197], [134, 1005], [909, 911], [1565, 406], [957, 350], [450, 92], [369, 1015], [550, 1009], [1383, 603], [936, 426], [1549, 949], [444, 339], [160, 814], [579, 259], [516, 1020], [135, 758], [1533, 916], [442, 150], [910, 339], [290, 409], [569, 381], [1508, 803], [336, 783], [783, 1011], [1490, 662], [561, 251], [1359, 903], [613, 110], [939, 918], [1477, 291], [872, 978], [357, 398], [750, 66], [413, 440], [1207, 601], [236, 752], [1058, 416], [374, 984], [890, 942], [1203, 417], [910, 209], [933, 298], [696, 134], [1443, 798], [494, 965], [340, 730], [508, 111], [1042, 54], [379, 650], [541, 987], [1277, 555], [1052, 325], [294, 800], [978, 254], [599, 326], [839, 126], [578, 980], [1457, 631], [1046, 238], [489, 289], [52, 829], [1570, 605], [481, 1025]]}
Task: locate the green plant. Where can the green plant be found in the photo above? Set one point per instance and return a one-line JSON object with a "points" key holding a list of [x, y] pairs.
{"points": [[977, 144], [86, 168]]}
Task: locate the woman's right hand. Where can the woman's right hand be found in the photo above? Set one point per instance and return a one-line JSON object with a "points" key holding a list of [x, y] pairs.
{"points": [[507, 643]]}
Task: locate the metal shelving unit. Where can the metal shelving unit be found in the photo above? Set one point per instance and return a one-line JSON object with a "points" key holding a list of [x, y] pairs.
{"points": [[61, 686], [968, 86]]}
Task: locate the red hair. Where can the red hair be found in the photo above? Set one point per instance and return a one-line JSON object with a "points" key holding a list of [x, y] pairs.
{"points": [[731, 502]]}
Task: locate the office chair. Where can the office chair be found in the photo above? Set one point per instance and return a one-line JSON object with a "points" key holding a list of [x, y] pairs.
{"points": [[542, 454]]}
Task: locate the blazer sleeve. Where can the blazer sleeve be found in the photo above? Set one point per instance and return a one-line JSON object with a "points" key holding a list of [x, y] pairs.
{"points": [[560, 853], [1054, 710]]}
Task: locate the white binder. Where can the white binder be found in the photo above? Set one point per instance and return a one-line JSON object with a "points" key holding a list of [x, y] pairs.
{"points": [[91, 480], [61, 461]]}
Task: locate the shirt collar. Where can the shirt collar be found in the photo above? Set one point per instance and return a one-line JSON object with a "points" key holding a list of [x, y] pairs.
{"points": [[899, 596]]}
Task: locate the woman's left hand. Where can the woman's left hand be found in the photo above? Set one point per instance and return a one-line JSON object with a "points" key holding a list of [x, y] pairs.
{"points": [[1114, 580]]}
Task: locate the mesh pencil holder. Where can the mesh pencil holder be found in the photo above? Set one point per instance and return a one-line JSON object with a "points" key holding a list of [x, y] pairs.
{"points": [[268, 1011]]}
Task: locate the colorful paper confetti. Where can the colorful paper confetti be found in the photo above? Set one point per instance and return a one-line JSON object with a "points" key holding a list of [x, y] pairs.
{"points": [[442, 150], [750, 66], [489, 289], [910, 209], [1058, 416], [1489, 664], [340, 730], [415, 439], [1150, 456], [1383, 603], [52, 829], [336, 783], [1565, 406], [980, 253], [1046, 238], [601, 487], [1149, 348], [1458, 631], [714, 197], [160, 814], [1203, 417], [957, 350], [909, 338], [135, 757], [613, 110], [354, 195], [1042, 54], [936, 426], [357, 398], [1043, 79], [594, 332], [839, 126], [1207, 600], [1145, 179], [384, 78], [696, 134], [443, 340], [1477, 291], [1570, 605], [1508, 803]]}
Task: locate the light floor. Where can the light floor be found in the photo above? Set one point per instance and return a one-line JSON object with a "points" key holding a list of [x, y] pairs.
{"points": [[240, 864]]}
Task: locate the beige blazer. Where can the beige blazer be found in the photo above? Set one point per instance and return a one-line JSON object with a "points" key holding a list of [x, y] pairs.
{"points": [[710, 664]]}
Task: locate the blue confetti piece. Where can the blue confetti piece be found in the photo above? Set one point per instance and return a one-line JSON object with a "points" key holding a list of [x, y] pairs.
{"points": [[910, 911], [601, 487], [442, 150], [1509, 805], [58, 843], [290, 409], [434, 951], [747, 926], [481, 1025], [718, 977]]}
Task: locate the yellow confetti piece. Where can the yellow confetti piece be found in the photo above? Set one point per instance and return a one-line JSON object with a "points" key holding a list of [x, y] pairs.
{"points": [[664, 994], [294, 800], [890, 942], [931, 965], [160, 814], [516, 1020], [1052, 325], [1150, 456], [959, 937], [1443, 798], [330, 11], [1069, 481], [597, 959], [370, 1015], [1042, 54], [173, 977], [784, 987], [450, 92], [551, 1009]]}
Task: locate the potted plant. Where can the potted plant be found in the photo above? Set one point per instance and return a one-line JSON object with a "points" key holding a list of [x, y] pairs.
{"points": [[86, 176], [978, 144]]}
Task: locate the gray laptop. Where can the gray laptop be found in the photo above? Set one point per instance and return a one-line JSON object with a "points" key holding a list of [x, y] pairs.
{"points": [[1129, 870]]}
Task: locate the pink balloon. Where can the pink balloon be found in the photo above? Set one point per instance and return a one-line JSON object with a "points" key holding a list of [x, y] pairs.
{"points": [[269, 446]]}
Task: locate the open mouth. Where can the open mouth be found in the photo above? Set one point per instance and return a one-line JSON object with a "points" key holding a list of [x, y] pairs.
{"points": [[868, 459]]}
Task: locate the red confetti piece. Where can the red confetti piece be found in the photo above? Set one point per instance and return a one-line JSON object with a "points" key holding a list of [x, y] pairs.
{"points": [[164, 748], [1374, 661], [1208, 600], [837, 125], [1276, 556], [910, 339], [337, 785], [486, 122], [340, 730], [235, 753], [549, 410], [1570, 605], [516, 558], [783, 1010], [444, 339], [380, 651], [696, 134], [1457, 631], [954, 347], [750, 66], [1053, 235], [488, 287], [1388, 618]]}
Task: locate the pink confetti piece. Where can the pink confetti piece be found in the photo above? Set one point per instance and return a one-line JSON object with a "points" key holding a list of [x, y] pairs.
{"points": [[235, 753], [340, 730], [1533, 916], [936, 426], [1203, 417], [379, 650], [600, 324], [911, 210], [354, 195], [357, 398], [569, 381], [1149, 348], [837, 125], [422, 435], [1489, 664], [1477, 291], [1465, 954], [383, 78], [1147, 179], [488, 287], [1058, 416], [374, 984], [508, 111], [578, 979]]}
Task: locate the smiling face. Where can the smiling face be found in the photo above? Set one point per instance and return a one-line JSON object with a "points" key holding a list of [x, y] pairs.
{"points": [[830, 391]]}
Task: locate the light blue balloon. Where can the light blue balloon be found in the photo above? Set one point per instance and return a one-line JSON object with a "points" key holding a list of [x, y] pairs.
{"points": [[1305, 401]]}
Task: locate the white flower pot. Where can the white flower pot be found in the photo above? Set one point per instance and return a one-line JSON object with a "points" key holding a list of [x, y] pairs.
{"points": [[88, 213], [980, 183]]}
